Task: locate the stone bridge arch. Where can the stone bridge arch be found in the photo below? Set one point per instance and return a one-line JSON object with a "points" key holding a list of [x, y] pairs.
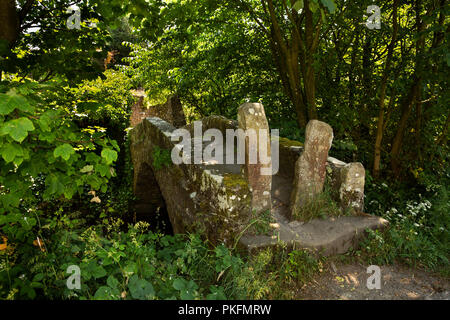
{"points": [[224, 202]]}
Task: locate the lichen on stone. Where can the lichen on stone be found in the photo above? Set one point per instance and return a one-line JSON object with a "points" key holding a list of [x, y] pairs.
{"points": [[285, 142], [233, 181]]}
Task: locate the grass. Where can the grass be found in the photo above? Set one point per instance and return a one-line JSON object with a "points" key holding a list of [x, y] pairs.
{"points": [[320, 206], [260, 223]]}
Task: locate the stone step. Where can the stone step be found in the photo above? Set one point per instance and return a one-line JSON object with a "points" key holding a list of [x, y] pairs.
{"points": [[327, 237]]}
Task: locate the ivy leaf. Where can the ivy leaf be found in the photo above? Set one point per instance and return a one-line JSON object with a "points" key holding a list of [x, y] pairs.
{"points": [[18, 128], [109, 155], [329, 4], [64, 151]]}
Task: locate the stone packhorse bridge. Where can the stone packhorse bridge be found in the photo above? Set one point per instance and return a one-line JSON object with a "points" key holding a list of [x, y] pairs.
{"points": [[235, 204]]}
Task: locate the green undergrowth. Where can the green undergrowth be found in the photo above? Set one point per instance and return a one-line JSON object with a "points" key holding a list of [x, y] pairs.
{"points": [[418, 233], [260, 224], [320, 206], [119, 262]]}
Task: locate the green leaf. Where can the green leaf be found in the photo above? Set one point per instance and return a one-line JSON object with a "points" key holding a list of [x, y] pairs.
{"points": [[115, 145], [140, 289], [54, 185], [313, 6], [44, 122], [179, 284], [87, 169], [102, 169], [88, 106], [98, 272], [112, 282], [18, 128], [47, 136], [10, 200], [298, 5], [329, 4], [109, 155], [18, 161], [216, 293], [106, 293], [38, 277], [70, 190], [187, 295], [64, 151], [10, 151], [11, 100]]}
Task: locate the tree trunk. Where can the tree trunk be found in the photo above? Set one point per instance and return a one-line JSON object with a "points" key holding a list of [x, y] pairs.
{"points": [[414, 93], [294, 55], [382, 95], [286, 54], [398, 139], [9, 21], [309, 79]]}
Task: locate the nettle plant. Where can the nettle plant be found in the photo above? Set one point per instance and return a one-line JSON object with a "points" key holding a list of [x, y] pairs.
{"points": [[38, 138]]}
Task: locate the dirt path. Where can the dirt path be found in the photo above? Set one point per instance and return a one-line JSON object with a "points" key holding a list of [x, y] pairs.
{"points": [[348, 282]]}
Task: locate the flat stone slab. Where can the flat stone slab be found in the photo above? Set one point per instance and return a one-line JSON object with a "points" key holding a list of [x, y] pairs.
{"points": [[328, 236]]}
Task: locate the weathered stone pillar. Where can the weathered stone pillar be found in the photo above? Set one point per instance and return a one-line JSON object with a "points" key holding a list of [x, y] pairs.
{"points": [[137, 110], [351, 191], [175, 111], [258, 164], [347, 183], [310, 168]]}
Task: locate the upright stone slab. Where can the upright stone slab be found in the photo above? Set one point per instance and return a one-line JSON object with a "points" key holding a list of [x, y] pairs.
{"points": [[251, 116], [346, 181], [351, 191], [175, 111], [137, 110], [170, 111], [310, 168]]}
